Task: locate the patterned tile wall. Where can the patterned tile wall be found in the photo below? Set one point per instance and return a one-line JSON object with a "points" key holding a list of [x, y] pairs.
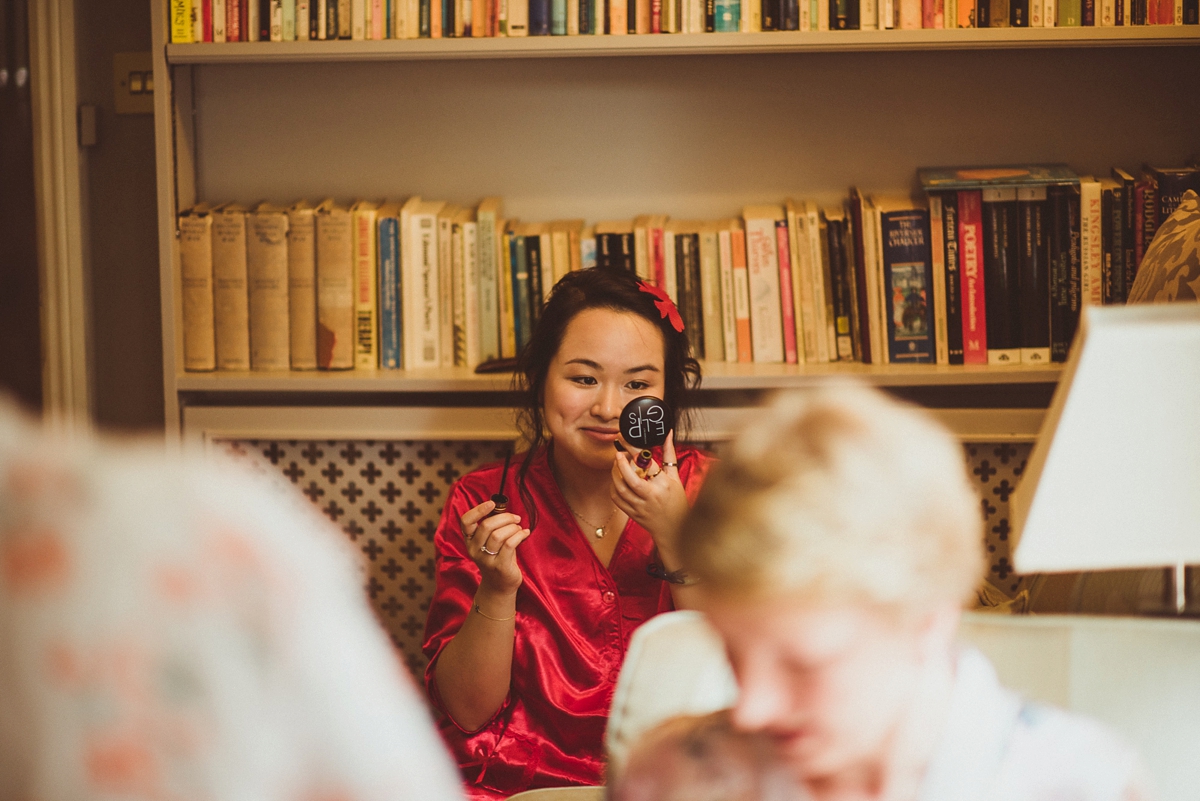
{"points": [[387, 497]]}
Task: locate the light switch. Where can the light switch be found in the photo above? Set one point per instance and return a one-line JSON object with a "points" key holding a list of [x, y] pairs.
{"points": [[133, 75]]}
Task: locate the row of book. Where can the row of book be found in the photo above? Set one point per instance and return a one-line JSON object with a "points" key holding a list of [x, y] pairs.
{"points": [[304, 20], [990, 267]]}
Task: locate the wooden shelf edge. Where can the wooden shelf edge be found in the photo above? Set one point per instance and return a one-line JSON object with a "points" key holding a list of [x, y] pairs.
{"points": [[718, 376], [682, 44]]}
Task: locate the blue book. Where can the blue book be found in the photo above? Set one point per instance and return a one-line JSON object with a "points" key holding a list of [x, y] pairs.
{"points": [[907, 284], [558, 17], [520, 280], [389, 286], [539, 17], [729, 16]]}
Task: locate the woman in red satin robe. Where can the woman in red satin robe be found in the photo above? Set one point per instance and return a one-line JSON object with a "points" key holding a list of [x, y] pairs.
{"points": [[535, 605]]}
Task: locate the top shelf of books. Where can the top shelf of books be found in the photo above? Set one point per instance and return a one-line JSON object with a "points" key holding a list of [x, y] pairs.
{"points": [[681, 44]]}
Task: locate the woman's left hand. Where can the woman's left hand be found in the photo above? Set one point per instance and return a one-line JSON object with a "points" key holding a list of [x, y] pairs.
{"points": [[658, 502]]}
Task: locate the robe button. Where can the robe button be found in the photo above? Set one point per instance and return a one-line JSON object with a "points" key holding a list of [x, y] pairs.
{"points": [[609, 596]]}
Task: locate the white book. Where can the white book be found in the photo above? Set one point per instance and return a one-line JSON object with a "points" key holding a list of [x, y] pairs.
{"points": [[937, 263], [1178, 12], [873, 273], [276, 22], [798, 321], [695, 16], [488, 261], [358, 19], [218, 15], [303, 20], [1049, 13], [1091, 250], [728, 300], [322, 9], [412, 9], [671, 288], [252, 22], [762, 265], [470, 236], [366, 286], [805, 15], [1036, 10], [419, 265], [289, 20], [196, 287], [572, 18], [641, 247], [518, 18], [1107, 14]]}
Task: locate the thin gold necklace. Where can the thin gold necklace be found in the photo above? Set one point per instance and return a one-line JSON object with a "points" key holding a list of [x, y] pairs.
{"points": [[599, 530]]}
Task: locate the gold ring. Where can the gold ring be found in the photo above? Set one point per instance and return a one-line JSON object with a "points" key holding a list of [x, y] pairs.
{"points": [[670, 464]]}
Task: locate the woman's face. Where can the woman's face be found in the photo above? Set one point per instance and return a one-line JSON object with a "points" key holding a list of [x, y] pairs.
{"points": [[831, 685], [606, 359]]}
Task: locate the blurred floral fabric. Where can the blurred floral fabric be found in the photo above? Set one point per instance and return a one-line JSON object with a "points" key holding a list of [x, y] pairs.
{"points": [[180, 628]]}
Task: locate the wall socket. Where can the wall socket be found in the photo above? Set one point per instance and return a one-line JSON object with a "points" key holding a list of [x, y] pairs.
{"points": [[133, 76]]}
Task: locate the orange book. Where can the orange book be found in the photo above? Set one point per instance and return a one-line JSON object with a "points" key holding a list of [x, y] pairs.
{"points": [[741, 294]]}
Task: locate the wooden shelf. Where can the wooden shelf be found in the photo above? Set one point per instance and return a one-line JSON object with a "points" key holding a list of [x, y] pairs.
{"points": [[717, 376], [682, 44]]}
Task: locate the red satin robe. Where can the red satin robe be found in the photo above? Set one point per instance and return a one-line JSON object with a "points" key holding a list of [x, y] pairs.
{"points": [[574, 621]]}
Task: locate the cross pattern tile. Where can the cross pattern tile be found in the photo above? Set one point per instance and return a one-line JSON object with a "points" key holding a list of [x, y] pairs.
{"points": [[387, 498]]}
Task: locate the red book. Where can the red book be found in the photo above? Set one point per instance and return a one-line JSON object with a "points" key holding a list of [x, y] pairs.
{"points": [[206, 20], [786, 298], [658, 267], [233, 21], [970, 253], [741, 293], [655, 16]]}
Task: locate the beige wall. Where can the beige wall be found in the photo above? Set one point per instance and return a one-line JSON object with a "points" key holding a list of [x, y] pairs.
{"points": [[120, 195]]}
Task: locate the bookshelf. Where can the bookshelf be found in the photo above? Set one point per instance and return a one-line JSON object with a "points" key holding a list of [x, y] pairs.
{"points": [[685, 44], [694, 126]]}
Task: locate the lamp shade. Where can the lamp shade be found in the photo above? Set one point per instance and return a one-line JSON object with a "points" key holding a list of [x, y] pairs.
{"points": [[1114, 478]]}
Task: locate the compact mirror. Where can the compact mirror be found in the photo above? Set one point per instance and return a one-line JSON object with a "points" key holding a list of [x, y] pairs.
{"points": [[646, 421]]}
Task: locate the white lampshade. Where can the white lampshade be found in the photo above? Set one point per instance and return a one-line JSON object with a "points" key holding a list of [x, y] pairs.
{"points": [[1114, 478]]}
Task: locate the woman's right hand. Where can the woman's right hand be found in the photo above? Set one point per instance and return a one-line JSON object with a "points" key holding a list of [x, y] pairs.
{"points": [[492, 544]]}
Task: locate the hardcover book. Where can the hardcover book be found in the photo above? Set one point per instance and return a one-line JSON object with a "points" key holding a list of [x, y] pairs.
{"points": [[390, 290], [335, 287], [741, 295], [231, 301], [942, 178], [974, 309], [710, 293], [196, 287], [267, 274], [953, 277], [1063, 206], [1033, 275], [366, 283], [766, 311], [937, 263], [1000, 275], [1091, 253], [907, 283], [487, 217], [421, 315]]}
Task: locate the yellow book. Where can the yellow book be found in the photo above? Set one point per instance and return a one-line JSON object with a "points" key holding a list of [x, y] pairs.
{"points": [[366, 283], [182, 27]]}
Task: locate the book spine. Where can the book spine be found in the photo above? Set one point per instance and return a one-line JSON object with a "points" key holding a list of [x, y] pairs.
{"points": [[729, 17], [1090, 244], [618, 17], [983, 13], [1191, 12], [366, 282], [289, 21], [1107, 13], [522, 318], [683, 273], [840, 292], [182, 29], [953, 275], [345, 19], [1170, 188], [558, 17], [1000, 275], [1107, 217], [766, 323], [206, 21], [862, 300], [728, 299], [1149, 214], [422, 317], [802, 287], [196, 267], [233, 21], [587, 15], [505, 278], [1087, 13], [974, 311], [937, 264], [445, 296], [335, 290], [1018, 11], [1036, 14], [270, 20], [710, 15], [1070, 13], [1033, 276], [473, 294], [908, 279], [741, 296], [710, 296], [220, 17], [303, 21], [1119, 246], [458, 293], [302, 289], [1064, 269], [489, 316], [533, 260], [231, 301], [657, 264], [786, 292], [389, 293]]}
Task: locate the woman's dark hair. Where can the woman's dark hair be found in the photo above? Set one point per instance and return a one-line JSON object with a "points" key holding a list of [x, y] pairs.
{"points": [[577, 292]]}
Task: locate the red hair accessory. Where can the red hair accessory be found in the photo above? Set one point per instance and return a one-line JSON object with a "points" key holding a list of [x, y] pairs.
{"points": [[664, 305]]}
